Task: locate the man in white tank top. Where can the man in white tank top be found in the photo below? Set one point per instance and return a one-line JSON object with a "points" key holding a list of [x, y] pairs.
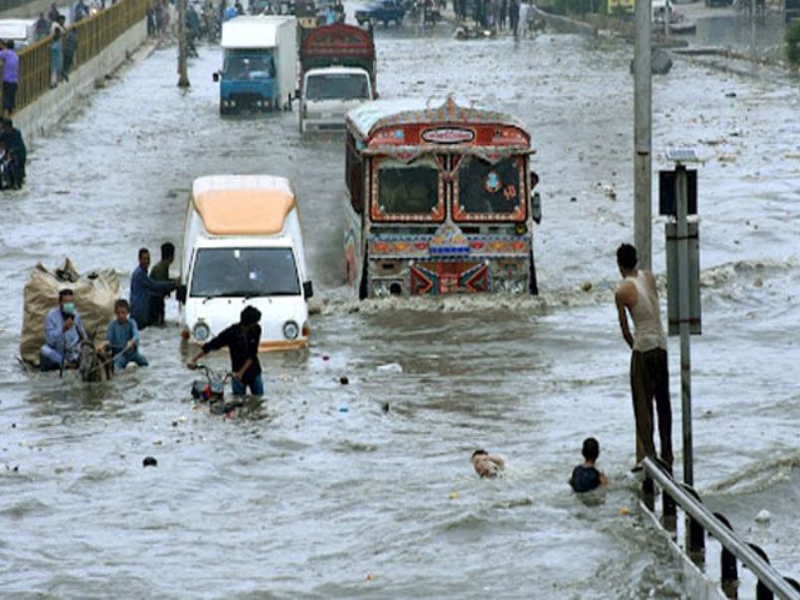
{"points": [[637, 296]]}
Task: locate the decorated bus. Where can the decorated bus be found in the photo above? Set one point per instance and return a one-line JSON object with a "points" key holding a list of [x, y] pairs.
{"points": [[440, 200]]}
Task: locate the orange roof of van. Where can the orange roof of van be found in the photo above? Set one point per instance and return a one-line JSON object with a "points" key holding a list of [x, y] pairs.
{"points": [[244, 210]]}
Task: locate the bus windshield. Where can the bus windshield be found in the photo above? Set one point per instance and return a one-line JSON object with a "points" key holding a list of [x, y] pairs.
{"points": [[244, 272], [337, 86], [490, 189], [408, 189]]}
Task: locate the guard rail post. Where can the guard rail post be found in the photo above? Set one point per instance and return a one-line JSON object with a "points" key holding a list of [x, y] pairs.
{"points": [[728, 568], [700, 520], [695, 532]]}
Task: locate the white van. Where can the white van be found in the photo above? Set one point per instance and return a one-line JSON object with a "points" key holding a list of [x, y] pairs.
{"points": [[329, 94], [243, 246], [21, 31]]}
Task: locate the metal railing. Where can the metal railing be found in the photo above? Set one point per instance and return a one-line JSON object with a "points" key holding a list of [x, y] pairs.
{"points": [[702, 521], [93, 34]]}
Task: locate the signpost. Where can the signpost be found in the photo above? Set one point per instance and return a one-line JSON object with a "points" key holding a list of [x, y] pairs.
{"points": [[683, 279], [642, 132]]}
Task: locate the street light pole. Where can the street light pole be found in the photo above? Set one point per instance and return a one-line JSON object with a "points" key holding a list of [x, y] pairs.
{"points": [[183, 74], [642, 134]]}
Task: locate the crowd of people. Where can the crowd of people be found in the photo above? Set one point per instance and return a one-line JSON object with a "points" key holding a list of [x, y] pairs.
{"points": [[498, 15]]}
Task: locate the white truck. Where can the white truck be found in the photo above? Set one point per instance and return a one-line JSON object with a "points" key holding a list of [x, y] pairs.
{"points": [[21, 31], [259, 70], [338, 67]]}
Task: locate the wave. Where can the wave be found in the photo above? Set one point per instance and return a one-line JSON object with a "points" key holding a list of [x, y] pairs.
{"points": [[758, 477], [342, 300]]}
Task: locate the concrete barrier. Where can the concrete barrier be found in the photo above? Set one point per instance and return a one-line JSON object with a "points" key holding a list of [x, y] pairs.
{"points": [[44, 114], [567, 25]]}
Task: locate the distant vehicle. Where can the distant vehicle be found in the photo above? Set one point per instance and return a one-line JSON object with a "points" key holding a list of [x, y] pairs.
{"points": [[384, 12], [242, 245], [21, 31], [338, 73], [712, 3], [259, 70], [441, 200]]}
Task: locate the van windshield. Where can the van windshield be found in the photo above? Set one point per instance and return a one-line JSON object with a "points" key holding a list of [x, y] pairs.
{"points": [[244, 272], [337, 86]]}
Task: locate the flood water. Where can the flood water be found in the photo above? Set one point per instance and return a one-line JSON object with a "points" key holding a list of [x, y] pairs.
{"points": [[367, 490]]}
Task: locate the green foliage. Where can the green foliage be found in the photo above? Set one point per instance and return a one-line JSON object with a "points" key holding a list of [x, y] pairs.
{"points": [[793, 43]]}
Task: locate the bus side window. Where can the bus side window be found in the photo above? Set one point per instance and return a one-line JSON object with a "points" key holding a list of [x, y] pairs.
{"points": [[354, 169]]}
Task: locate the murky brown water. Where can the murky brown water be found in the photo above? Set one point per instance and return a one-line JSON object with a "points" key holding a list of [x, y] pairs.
{"points": [[321, 486]]}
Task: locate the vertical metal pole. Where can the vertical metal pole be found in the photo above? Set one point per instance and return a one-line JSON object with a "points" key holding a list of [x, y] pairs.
{"points": [[752, 29], [684, 310], [642, 129], [183, 75]]}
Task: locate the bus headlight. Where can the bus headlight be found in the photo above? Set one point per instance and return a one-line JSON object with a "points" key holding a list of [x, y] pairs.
{"points": [[201, 332], [291, 330]]}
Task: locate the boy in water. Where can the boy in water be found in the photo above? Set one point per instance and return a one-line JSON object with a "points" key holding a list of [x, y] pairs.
{"points": [[487, 465], [122, 338], [587, 477]]}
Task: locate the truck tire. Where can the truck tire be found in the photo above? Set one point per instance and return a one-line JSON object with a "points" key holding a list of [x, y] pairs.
{"points": [[534, 285], [363, 288]]}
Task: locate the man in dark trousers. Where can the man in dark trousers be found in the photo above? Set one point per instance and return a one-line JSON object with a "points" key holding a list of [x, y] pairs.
{"points": [[637, 296], [242, 340], [143, 289], [160, 272], [70, 47]]}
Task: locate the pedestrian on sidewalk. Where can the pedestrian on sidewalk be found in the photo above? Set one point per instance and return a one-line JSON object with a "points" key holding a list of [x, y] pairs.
{"points": [[637, 296], [10, 76], [70, 48], [42, 27], [513, 15], [55, 58]]}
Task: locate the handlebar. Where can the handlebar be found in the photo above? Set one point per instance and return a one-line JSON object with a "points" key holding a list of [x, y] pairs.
{"points": [[211, 375]]}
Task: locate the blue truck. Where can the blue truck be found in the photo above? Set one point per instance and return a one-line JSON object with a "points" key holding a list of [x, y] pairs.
{"points": [[259, 70]]}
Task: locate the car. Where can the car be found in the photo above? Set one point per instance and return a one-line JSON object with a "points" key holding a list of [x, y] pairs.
{"points": [[382, 12]]}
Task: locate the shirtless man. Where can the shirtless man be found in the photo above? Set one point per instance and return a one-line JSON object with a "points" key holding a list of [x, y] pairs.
{"points": [[487, 465], [637, 296]]}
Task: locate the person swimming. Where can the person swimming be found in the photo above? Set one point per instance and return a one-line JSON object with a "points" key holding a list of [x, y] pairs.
{"points": [[487, 465]]}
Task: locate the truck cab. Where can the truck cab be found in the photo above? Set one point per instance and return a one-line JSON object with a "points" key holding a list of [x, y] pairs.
{"points": [[329, 94], [337, 63], [259, 69]]}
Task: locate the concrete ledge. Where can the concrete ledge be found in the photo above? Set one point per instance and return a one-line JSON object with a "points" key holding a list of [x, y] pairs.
{"points": [[567, 25], [697, 584], [37, 119]]}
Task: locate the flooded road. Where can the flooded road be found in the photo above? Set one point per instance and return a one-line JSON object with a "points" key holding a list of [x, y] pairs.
{"points": [[366, 489]]}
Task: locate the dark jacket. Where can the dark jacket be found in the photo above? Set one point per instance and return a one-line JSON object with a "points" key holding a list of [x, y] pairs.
{"points": [[241, 346]]}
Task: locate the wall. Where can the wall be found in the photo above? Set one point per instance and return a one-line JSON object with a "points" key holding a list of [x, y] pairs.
{"points": [[44, 114]]}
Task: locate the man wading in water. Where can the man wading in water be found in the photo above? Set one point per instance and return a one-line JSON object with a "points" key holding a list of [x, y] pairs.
{"points": [[637, 295]]}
